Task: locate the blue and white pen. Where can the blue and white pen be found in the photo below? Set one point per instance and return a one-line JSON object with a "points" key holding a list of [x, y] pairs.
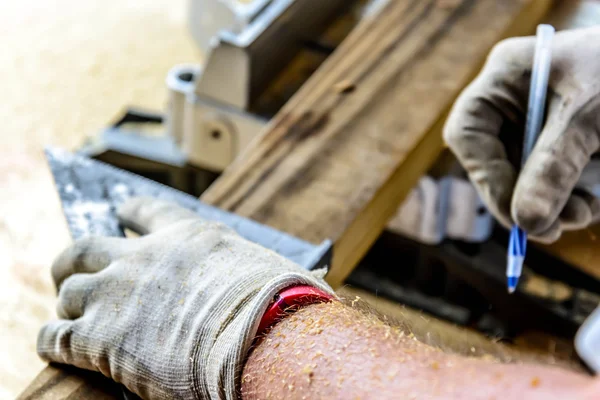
{"points": [[540, 74]]}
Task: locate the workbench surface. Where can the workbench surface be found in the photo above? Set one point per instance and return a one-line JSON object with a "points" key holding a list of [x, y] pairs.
{"points": [[68, 67]]}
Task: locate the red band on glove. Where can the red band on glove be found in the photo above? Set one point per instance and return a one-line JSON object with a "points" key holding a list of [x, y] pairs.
{"points": [[290, 300]]}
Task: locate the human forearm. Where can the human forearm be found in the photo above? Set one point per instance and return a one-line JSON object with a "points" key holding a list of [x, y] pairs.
{"points": [[334, 351]]}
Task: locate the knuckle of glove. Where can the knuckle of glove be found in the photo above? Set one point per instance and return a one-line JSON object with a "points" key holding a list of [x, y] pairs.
{"points": [[453, 134], [511, 52], [189, 229], [53, 342], [72, 259], [73, 296]]}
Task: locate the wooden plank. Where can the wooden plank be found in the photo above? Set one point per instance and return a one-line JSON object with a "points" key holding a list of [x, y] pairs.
{"points": [[339, 158], [60, 382]]}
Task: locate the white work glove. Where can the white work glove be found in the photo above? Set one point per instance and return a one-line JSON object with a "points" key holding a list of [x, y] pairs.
{"points": [[485, 131], [172, 314]]}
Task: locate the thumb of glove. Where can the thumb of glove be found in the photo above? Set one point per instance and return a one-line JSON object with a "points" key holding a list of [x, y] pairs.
{"points": [[546, 199]]}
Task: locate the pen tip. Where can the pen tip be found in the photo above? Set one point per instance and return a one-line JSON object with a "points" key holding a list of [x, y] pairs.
{"points": [[512, 282]]}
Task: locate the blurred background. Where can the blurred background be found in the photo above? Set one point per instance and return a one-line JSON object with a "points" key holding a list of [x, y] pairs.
{"points": [[67, 68]]}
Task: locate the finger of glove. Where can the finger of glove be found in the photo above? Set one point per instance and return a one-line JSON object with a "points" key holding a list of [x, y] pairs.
{"points": [[582, 210], [472, 130], [146, 214], [56, 341], [553, 169], [64, 342], [550, 235], [75, 293], [89, 255]]}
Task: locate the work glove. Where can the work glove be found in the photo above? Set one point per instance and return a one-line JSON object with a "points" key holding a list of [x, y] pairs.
{"points": [[171, 314], [486, 125]]}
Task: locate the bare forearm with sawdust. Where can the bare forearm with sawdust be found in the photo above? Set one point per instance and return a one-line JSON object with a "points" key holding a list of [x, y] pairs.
{"points": [[334, 351]]}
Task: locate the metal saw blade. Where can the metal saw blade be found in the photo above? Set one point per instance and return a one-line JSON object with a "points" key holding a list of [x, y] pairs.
{"points": [[91, 191]]}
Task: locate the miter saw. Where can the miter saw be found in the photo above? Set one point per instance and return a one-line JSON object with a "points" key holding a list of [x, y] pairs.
{"points": [[257, 54]]}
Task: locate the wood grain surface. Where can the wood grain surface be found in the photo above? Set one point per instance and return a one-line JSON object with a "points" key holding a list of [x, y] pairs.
{"points": [[60, 382]]}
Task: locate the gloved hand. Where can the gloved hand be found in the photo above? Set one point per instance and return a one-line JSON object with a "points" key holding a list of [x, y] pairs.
{"points": [[486, 126], [172, 314]]}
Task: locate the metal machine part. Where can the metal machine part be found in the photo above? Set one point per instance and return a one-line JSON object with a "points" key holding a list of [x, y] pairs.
{"points": [[208, 131], [587, 341], [446, 208], [91, 191], [155, 157], [207, 18], [217, 108]]}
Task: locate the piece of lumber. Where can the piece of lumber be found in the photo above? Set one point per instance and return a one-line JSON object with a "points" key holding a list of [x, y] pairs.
{"points": [[60, 382], [341, 155], [338, 159]]}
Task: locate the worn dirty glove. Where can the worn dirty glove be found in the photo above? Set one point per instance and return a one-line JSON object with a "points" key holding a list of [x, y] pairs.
{"points": [[171, 314], [485, 131]]}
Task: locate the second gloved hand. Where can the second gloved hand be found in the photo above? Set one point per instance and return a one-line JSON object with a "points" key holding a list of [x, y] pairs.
{"points": [[485, 131], [171, 314]]}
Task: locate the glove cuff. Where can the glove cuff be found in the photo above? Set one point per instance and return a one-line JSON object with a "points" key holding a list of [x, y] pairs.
{"points": [[289, 300], [218, 360]]}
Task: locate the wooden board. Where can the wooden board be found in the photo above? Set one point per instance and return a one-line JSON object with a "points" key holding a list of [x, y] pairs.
{"points": [[55, 383], [339, 158]]}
